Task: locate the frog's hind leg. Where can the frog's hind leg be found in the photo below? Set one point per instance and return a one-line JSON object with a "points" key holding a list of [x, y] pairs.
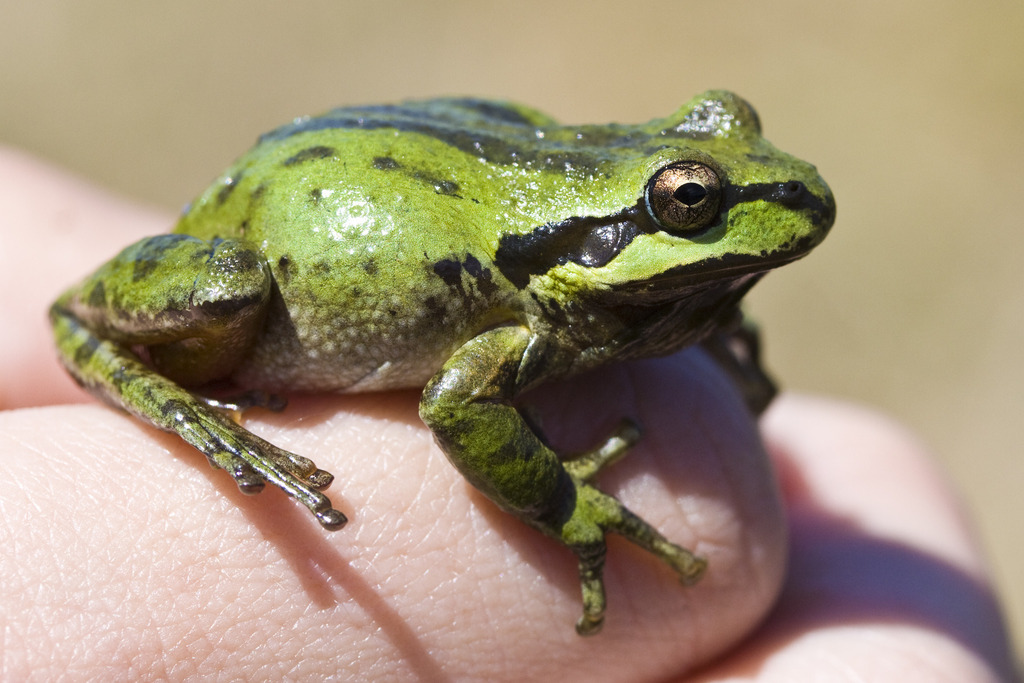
{"points": [[109, 371], [98, 325], [236, 404]]}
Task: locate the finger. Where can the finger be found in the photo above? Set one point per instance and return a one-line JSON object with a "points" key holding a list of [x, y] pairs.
{"points": [[429, 579], [885, 574]]}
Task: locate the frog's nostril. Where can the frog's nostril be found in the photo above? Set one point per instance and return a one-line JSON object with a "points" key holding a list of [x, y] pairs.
{"points": [[792, 192]]}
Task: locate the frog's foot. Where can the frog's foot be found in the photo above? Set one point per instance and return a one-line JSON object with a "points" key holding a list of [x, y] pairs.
{"points": [[235, 405], [596, 513], [253, 462], [587, 465]]}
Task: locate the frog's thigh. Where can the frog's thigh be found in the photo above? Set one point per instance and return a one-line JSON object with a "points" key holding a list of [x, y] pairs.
{"points": [[192, 304], [468, 406], [196, 305]]}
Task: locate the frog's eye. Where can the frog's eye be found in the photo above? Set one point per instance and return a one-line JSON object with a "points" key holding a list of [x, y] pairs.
{"points": [[684, 196]]}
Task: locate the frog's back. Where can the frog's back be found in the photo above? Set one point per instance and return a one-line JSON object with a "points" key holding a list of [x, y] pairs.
{"points": [[396, 233], [378, 227]]}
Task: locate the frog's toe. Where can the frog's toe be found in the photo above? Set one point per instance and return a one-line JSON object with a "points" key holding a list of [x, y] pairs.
{"points": [[591, 564], [249, 481], [320, 479], [587, 465], [688, 566], [300, 466], [253, 463], [597, 514], [331, 519], [237, 404], [300, 478], [589, 625]]}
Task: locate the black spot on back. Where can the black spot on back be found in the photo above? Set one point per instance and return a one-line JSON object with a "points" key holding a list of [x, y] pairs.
{"points": [[450, 271], [97, 296], [309, 154], [443, 186], [258, 192], [284, 268], [228, 187], [385, 164], [85, 351], [435, 306], [447, 187]]}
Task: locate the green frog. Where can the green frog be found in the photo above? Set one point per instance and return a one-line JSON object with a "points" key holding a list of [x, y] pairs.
{"points": [[472, 248]]}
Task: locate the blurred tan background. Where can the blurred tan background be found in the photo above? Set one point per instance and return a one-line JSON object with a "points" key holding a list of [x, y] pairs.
{"points": [[912, 111]]}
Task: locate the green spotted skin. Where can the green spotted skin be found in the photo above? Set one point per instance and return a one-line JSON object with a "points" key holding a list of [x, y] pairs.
{"points": [[470, 247]]}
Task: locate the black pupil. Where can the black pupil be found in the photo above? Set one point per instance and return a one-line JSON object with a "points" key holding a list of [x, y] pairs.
{"points": [[690, 193]]}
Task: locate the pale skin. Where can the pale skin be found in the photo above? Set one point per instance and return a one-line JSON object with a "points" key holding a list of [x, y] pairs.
{"points": [[126, 556]]}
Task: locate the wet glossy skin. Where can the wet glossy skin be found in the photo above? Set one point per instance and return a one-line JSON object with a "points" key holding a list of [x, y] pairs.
{"points": [[474, 248]]}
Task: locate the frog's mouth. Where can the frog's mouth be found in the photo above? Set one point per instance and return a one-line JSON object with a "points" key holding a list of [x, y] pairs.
{"points": [[710, 274]]}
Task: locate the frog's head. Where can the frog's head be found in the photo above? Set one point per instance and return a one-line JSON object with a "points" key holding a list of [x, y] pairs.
{"points": [[697, 198], [721, 201]]}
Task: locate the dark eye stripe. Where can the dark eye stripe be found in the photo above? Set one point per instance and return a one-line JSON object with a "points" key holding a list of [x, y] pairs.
{"points": [[590, 242], [594, 242], [792, 194]]}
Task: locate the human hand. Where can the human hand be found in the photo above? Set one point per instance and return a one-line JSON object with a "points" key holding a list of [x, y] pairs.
{"points": [[128, 557]]}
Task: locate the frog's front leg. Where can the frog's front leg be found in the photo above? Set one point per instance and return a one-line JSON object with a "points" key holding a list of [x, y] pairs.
{"points": [[192, 308], [468, 405], [736, 348]]}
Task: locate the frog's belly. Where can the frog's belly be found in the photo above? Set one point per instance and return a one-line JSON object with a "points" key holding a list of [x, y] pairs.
{"points": [[326, 371], [350, 349]]}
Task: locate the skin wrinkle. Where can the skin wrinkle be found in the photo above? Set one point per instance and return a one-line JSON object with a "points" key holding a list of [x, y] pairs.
{"points": [[767, 583], [657, 474], [382, 537], [749, 541], [702, 544], [140, 580], [504, 546]]}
